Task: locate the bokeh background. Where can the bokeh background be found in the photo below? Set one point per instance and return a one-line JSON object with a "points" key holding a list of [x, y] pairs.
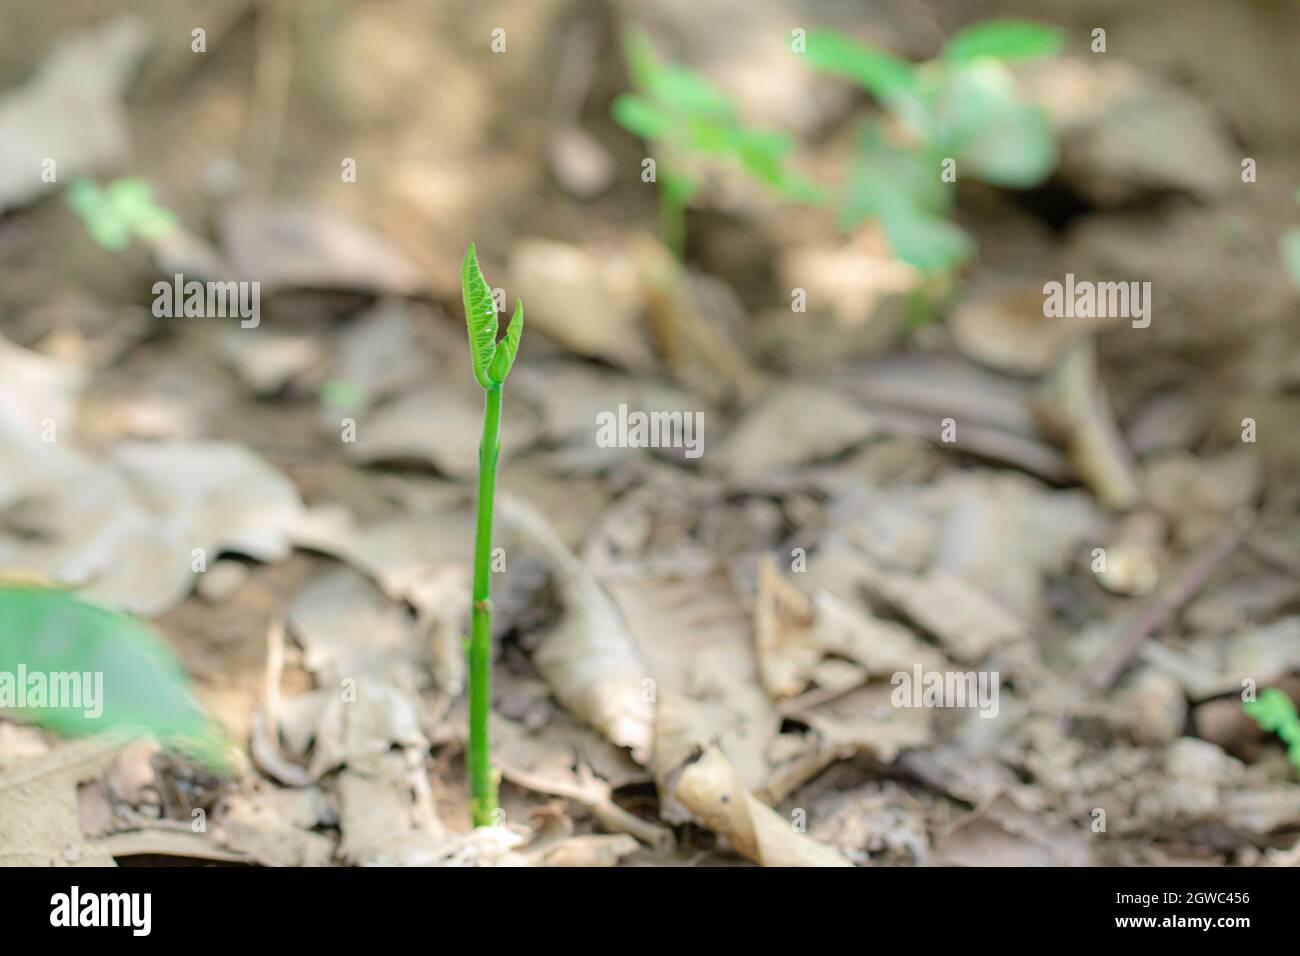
{"points": [[670, 632]]}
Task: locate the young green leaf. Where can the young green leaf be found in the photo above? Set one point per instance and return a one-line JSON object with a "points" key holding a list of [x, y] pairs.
{"points": [[882, 74], [49, 635], [887, 176], [1004, 39], [508, 346], [480, 317], [676, 88], [931, 243]]}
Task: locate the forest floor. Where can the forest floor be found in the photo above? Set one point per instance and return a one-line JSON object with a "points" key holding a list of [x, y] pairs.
{"points": [[694, 657]]}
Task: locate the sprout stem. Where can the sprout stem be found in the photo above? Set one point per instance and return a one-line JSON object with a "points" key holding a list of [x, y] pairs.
{"points": [[483, 788]]}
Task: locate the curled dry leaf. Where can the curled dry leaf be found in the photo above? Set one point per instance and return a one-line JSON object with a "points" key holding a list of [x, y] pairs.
{"points": [[538, 763], [369, 666], [710, 789], [697, 639], [590, 658], [783, 623], [797, 640], [1072, 406]]}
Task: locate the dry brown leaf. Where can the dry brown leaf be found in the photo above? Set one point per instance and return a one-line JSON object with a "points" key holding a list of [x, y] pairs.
{"points": [[783, 627], [177, 843], [589, 850], [829, 641], [1073, 407], [813, 423], [1002, 326], [287, 245], [967, 621], [590, 658], [39, 820], [255, 826], [563, 768], [1001, 833], [710, 789], [586, 302], [697, 639], [386, 816]]}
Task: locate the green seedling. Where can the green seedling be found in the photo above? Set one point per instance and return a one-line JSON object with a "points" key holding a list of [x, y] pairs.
{"points": [[695, 128], [960, 114], [1289, 246], [1274, 712], [492, 360], [78, 669], [120, 211]]}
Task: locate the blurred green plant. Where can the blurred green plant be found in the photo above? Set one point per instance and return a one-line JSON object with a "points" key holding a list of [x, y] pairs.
{"points": [[47, 636], [337, 393], [116, 213], [960, 113], [694, 126], [1289, 247], [1274, 711], [492, 360]]}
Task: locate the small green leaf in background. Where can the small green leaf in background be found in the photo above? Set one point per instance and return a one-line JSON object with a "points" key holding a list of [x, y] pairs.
{"points": [[692, 121], [1289, 245], [930, 243], [49, 632], [1274, 712], [992, 132], [880, 73], [1004, 39], [336, 393], [886, 176], [114, 214]]}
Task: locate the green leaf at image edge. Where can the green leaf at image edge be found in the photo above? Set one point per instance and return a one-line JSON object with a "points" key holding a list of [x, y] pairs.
{"points": [[46, 631]]}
